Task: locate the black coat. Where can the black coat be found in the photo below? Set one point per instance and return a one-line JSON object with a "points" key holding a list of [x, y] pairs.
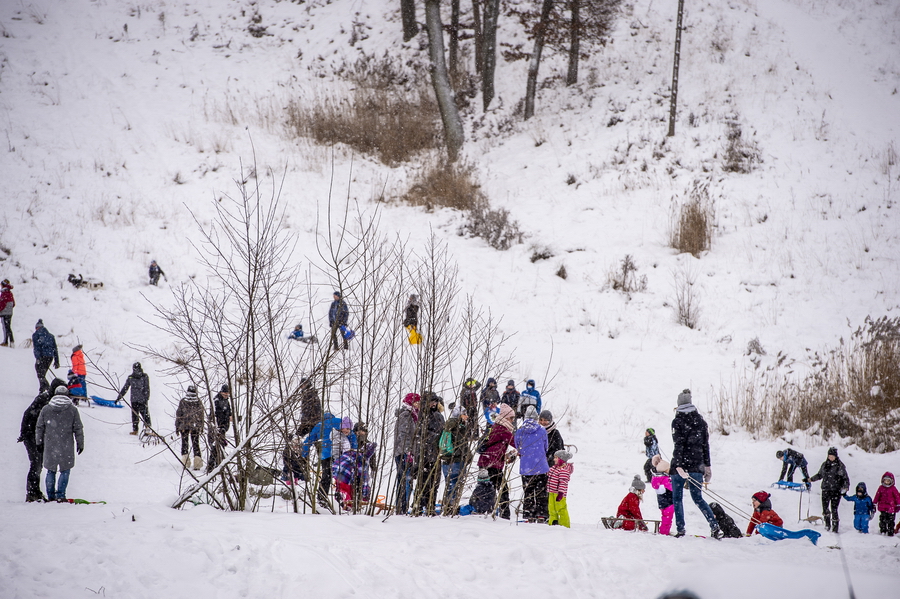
{"points": [[726, 522], [310, 407], [431, 434], [30, 417], [139, 383], [691, 438], [222, 412], [411, 316], [483, 498], [554, 443], [833, 476]]}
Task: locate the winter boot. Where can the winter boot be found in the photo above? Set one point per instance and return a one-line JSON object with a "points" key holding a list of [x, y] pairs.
{"points": [[827, 518], [185, 460], [834, 525], [198, 462], [133, 433]]}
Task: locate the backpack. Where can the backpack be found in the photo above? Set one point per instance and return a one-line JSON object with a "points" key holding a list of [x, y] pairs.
{"points": [[445, 443], [526, 400]]}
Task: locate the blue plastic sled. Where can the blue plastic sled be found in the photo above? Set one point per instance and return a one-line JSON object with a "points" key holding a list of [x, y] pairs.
{"points": [[347, 333], [776, 533], [801, 487], [105, 402]]}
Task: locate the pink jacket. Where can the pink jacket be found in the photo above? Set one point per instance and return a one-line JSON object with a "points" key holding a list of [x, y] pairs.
{"points": [[887, 499]]}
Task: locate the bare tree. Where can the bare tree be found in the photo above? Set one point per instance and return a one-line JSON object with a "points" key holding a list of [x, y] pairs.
{"points": [[574, 41], [535, 63], [676, 61], [453, 45], [489, 50], [453, 129], [408, 16]]}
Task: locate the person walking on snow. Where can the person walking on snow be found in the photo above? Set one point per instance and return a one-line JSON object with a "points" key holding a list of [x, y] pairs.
{"points": [[406, 448], [630, 508], [189, 423], [835, 483], [762, 512], [558, 489], [60, 431], [887, 501], [651, 448], [155, 273], [338, 315], [529, 397], [791, 460], [863, 508], [530, 440], [7, 303], [691, 462], [35, 451], [45, 351], [139, 383], [662, 484]]}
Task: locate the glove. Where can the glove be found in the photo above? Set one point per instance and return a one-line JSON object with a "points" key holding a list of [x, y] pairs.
{"points": [[56, 364], [20, 440], [844, 490], [682, 473], [559, 496], [80, 449], [707, 474]]}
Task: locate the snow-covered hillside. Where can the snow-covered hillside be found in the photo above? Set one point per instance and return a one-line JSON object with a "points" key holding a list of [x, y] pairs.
{"points": [[124, 121]]}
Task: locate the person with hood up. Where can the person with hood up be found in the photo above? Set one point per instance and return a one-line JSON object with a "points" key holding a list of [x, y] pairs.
{"points": [[219, 423], [863, 508], [35, 451], [322, 437], [452, 464], [155, 273], [45, 351], [510, 396], [411, 320], [79, 368], [468, 399], [351, 470], [630, 507], [493, 454], [7, 303], [690, 462], [60, 431], [405, 449], [338, 316], [139, 383], [835, 483], [188, 424], [343, 439], [662, 484], [484, 496], [558, 489], [887, 502], [490, 398], [762, 512], [530, 397], [651, 448], [554, 437], [429, 472], [791, 460], [530, 440]]}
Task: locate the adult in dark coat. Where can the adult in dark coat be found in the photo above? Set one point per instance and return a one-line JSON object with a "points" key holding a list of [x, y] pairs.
{"points": [[429, 465], [35, 451], [189, 424], [554, 438], [835, 483], [411, 313], [792, 460], [690, 461], [60, 431], [406, 447], [338, 315], [468, 399], [139, 383], [310, 407], [45, 352], [511, 397], [493, 455], [219, 423], [155, 272], [454, 464]]}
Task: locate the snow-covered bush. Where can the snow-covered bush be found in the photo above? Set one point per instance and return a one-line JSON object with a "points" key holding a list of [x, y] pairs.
{"points": [[493, 225], [693, 219]]}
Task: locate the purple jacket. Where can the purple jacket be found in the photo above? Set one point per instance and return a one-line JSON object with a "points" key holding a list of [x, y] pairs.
{"points": [[531, 442], [887, 499]]}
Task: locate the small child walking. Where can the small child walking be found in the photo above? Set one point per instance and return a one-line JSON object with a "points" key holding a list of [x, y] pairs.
{"points": [[651, 448], [887, 501], [663, 486], [558, 488], [630, 508], [863, 508]]}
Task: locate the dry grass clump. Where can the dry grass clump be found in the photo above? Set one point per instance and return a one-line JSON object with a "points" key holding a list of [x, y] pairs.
{"points": [[852, 391], [692, 222], [444, 184], [624, 277], [741, 155]]}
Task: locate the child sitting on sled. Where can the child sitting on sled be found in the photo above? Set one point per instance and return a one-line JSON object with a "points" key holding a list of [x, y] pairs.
{"points": [[762, 512], [630, 508]]}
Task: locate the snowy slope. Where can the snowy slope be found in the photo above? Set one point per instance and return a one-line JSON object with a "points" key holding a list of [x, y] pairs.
{"points": [[116, 135]]}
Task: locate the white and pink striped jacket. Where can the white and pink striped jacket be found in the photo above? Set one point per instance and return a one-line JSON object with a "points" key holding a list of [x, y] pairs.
{"points": [[558, 478]]}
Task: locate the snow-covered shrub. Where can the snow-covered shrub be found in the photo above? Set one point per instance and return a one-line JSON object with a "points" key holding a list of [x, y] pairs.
{"points": [[444, 184], [692, 220], [624, 277], [492, 225], [740, 154], [687, 298]]}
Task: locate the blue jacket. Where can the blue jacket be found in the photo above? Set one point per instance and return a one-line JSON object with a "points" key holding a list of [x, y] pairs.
{"points": [[321, 435], [861, 505], [338, 313], [44, 345], [523, 401], [531, 442]]}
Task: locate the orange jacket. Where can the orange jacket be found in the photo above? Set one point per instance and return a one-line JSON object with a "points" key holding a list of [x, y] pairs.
{"points": [[764, 516], [78, 362]]}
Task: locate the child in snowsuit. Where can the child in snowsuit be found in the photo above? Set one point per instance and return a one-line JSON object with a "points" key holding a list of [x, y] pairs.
{"points": [[79, 368], [663, 486], [189, 423], [558, 488], [651, 448], [863, 508], [630, 508], [887, 501], [726, 522], [763, 512], [484, 496]]}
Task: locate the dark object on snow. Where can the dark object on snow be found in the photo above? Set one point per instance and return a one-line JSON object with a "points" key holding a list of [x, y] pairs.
{"points": [[79, 282], [726, 522], [156, 272]]}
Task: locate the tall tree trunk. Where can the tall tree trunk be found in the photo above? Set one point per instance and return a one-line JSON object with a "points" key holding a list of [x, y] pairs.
{"points": [[408, 14], [535, 64], [453, 130], [489, 50], [574, 42], [673, 101], [479, 35], [453, 50]]}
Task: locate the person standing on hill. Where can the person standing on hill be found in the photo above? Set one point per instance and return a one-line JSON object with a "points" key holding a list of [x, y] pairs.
{"points": [[189, 423], [468, 399], [45, 351], [453, 463], [493, 455], [554, 437], [310, 407], [338, 315], [139, 383], [529, 397], [411, 320], [429, 475], [35, 451], [155, 273], [406, 448], [219, 423], [530, 440], [690, 462], [835, 483], [79, 369], [60, 431], [511, 397], [7, 303], [651, 448], [490, 397]]}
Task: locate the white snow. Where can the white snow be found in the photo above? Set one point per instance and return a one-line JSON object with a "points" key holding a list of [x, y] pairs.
{"points": [[100, 121]]}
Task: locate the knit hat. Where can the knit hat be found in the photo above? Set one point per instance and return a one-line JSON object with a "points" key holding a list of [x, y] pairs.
{"points": [[411, 398], [684, 397], [531, 413], [832, 451], [637, 484], [338, 294], [346, 422], [651, 431], [779, 454], [191, 391], [492, 381], [6, 283], [510, 383], [660, 464], [414, 299], [470, 382], [225, 388], [136, 367], [483, 474], [563, 455], [546, 415], [39, 323], [61, 390], [761, 496]]}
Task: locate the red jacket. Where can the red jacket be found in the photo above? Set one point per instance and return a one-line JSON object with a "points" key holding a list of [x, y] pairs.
{"points": [[764, 516], [6, 297], [78, 362], [631, 508], [494, 454]]}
